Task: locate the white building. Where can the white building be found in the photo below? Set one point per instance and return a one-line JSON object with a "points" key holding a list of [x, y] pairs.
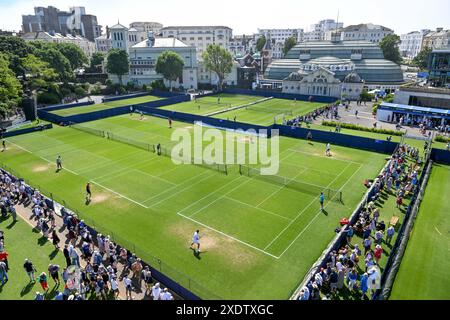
{"points": [[210, 78], [241, 45], [144, 55], [200, 36], [365, 32], [278, 38], [438, 39], [319, 30], [411, 43], [103, 43], [122, 37], [84, 44]]}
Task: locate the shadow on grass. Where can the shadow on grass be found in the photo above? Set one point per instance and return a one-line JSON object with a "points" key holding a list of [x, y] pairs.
{"points": [[42, 241], [53, 254], [27, 288], [11, 225]]}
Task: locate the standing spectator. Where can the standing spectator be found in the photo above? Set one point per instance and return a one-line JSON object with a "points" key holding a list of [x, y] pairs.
{"points": [[43, 281], [341, 278], [114, 287], [53, 270], [156, 291], [390, 234], [166, 295], [378, 237], [378, 252], [67, 255], [136, 267], [3, 272], [147, 276], [128, 287], [30, 270], [364, 285], [333, 280], [352, 278], [4, 258], [350, 233], [367, 243], [55, 239]]}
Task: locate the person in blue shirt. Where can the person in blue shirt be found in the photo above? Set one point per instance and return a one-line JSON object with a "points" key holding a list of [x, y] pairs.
{"points": [[322, 200], [59, 296], [364, 286]]}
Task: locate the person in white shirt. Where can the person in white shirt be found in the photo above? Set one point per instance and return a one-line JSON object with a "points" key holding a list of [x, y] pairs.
{"points": [[128, 287], [196, 240], [156, 291], [114, 287], [328, 150], [166, 295]]}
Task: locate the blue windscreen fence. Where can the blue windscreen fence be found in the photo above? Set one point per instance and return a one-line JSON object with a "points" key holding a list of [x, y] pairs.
{"points": [[440, 156], [340, 139], [27, 130], [126, 96], [66, 106]]}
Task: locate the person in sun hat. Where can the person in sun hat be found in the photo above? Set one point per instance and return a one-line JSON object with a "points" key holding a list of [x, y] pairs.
{"points": [[156, 291], [166, 295]]}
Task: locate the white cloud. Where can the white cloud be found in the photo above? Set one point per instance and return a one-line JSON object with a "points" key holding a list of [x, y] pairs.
{"points": [[245, 17]]}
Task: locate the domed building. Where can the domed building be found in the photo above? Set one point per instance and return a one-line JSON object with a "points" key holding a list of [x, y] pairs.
{"points": [[354, 64]]}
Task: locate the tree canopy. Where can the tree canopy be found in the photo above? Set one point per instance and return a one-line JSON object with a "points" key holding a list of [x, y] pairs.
{"points": [[10, 88], [260, 43], [218, 60], [73, 53], [170, 64], [421, 60], [289, 43], [390, 48], [96, 61], [118, 63]]}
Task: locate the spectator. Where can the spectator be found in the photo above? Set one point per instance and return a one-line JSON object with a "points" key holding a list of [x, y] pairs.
{"points": [[128, 287], [390, 234], [30, 270], [3, 272], [43, 281], [156, 291]]}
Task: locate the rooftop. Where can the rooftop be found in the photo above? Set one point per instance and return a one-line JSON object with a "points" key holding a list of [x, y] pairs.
{"points": [[444, 112]]}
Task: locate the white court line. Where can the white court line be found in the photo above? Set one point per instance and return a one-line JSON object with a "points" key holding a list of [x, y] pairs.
{"points": [[331, 158], [87, 168], [317, 214], [210, 194], [260, 209], [178, 191], [304, 209], [73, 172], [226, 235], [111, 173]]}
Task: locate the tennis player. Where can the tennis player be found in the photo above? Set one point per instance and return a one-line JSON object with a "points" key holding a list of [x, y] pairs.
{"points": [[88, 192], [321, 200], [196, 241], [328, 150], [58, 163], [170, 123]]}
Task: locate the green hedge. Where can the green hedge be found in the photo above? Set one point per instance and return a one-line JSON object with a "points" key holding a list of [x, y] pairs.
{"points": [[360, 128], [440, 138]]}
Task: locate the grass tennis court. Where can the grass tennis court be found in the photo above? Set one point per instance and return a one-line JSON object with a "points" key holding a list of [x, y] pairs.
{"points": [[23, 242], [423, 272], [209, 104], [260, 236], [104, 106], [264, 113]]}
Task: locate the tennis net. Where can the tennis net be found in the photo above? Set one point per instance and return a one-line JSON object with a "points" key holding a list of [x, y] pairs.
{"points": [[150, 147], [96, 132], [304, 187]]}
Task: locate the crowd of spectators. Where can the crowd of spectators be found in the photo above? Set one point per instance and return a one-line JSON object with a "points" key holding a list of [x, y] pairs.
{"points": [[98, 277], [357, 261], [328, 112]]}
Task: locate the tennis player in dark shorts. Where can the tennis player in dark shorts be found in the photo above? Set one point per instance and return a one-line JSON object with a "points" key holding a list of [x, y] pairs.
{"points": [[88, 192]]}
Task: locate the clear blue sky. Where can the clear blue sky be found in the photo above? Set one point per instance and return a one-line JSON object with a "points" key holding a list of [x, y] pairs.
{"points": [[246, 16]]}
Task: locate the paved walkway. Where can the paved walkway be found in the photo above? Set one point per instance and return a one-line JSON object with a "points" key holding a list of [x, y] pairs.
{"points": [[367, 119], [138, 288]]}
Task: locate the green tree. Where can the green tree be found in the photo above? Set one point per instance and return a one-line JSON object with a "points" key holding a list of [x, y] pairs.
{"points": [[218, 60], [289, 43], [74, 54], [117, 63], [421, 60], [96, 62], [260, 43], [15, 49], [58, 62], [390, 48], [10, 88], [170, 64]]}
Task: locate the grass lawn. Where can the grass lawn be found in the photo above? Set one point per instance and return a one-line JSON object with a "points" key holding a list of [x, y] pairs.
{"points": [[104, 106], [207, 105], [255, 234], [22, 242], [423, 273], [264, 113]]}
